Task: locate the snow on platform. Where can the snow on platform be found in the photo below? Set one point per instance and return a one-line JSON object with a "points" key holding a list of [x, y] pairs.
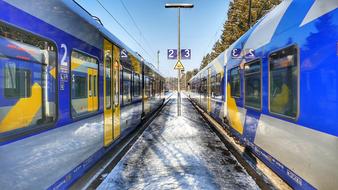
{"points": [[178, 153]]}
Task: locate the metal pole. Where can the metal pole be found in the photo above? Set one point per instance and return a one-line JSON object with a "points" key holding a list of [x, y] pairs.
{"points": [[179, 59], [185, 81]]}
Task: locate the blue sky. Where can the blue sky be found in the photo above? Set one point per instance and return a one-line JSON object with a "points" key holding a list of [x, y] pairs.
{"points": [[200, 27]]}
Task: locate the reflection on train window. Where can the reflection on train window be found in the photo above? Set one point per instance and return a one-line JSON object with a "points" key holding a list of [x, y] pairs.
{"points": [[147, 90], [152, 82], [204, 86], [80, 85], [108, 81], [116, 80], [283, 93], [17, 82], [235, 82], [84, 72], [94, 85], [252, 87], [216, 86], [28, 80], [89, 85], [137, 85], [126, 86]]}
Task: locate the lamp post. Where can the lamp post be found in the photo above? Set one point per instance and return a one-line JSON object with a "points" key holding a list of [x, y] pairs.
{"points": [[179, 6]]}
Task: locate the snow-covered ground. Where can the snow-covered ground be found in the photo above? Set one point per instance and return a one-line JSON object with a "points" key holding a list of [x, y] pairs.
{"points": [[178, 153]]}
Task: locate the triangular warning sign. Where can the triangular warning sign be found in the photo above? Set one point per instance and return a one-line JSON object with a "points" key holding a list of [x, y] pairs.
{"points": [[179, 66]]}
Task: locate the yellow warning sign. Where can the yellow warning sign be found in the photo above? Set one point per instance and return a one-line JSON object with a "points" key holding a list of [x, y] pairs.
{"points": [[179, 66]]}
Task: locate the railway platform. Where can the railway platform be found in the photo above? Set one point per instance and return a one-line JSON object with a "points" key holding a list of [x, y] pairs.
{"points": [[178, 153]]}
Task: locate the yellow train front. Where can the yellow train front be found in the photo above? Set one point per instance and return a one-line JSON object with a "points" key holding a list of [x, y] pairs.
{"points": [[69, 91]]}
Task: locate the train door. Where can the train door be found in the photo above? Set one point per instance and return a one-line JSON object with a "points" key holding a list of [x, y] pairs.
{"points": [[209, 90], [108, 107], [116, 92], [92, 90]]}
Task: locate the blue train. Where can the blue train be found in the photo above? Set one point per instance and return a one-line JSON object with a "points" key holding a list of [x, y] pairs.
{"points": [[277, 88], [69, 91]]}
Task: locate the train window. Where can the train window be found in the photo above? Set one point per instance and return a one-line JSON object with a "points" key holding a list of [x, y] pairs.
{"points": [[17, 82], [108, 82], [89, 84], [201, 85], [126, 86], [117, 83], [94, 85], [204, 87], [283, 80], [28, 74], [84, 72], [153, 83], [80, 85], [235, 82], [252, 87], [213, 83], [147, 88], [136, 85], [216, 86]]}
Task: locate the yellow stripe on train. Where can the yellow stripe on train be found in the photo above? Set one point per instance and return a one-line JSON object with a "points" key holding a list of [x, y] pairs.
{"points": [[233, 112], [23, 112]]}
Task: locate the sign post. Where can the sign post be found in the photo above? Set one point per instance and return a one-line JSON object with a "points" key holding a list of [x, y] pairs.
{"points": [[179, 60], [179, 6]]}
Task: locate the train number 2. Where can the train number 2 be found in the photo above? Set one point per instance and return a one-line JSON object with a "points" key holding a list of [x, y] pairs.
{"points": [[63, 59]]}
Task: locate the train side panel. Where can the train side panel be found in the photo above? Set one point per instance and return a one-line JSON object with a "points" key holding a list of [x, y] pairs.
{"points": [[58, 140], [281, 103], [295, 124]]}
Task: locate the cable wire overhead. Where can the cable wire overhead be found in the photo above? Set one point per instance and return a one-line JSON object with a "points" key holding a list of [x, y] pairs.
{"points": [[131, 36], [136, 25]]}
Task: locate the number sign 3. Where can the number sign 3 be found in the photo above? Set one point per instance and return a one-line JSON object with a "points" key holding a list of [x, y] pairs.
{"points": [[186, 53]]}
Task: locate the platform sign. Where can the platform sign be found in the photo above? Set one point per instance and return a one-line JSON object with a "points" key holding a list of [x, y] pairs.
{"points": [[172, 53], [185, 53], [179, 66]]}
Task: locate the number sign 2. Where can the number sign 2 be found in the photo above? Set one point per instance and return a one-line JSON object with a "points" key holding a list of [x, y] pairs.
{"points": [[172, 53]]}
